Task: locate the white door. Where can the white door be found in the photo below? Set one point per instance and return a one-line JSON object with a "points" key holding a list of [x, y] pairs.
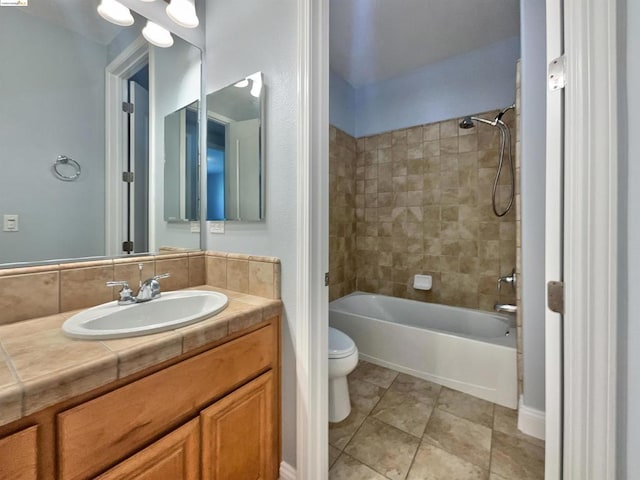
{"points": [[138, 194]]}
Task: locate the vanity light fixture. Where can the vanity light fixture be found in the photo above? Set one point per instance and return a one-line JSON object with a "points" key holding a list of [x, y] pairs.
{"points": [[157, 35], [115, 12], [256, 86], [183, 12]]}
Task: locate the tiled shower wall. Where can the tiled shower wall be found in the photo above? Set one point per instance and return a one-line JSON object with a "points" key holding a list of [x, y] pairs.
{"points": [[342, 221], [422, 205]]}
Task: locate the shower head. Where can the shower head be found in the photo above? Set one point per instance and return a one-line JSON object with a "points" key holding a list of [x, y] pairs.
{"points": [[466, 123]]}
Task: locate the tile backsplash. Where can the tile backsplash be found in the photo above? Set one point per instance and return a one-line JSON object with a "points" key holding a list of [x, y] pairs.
{"points": [[39, 291], [422, 205]]}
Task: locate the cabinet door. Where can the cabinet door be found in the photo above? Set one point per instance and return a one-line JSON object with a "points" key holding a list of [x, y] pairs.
{"points": [[18, 459], [175, 456], [238, 434]]}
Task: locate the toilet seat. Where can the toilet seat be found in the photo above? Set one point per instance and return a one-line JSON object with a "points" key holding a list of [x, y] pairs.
{"points": [[340, 345]]}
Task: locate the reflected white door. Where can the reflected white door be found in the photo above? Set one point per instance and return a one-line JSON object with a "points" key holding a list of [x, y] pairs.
{"points": [[138, 190]]}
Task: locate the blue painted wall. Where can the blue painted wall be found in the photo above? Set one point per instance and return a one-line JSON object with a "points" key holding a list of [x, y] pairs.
{"points": [[342, 104], [477, 81]]}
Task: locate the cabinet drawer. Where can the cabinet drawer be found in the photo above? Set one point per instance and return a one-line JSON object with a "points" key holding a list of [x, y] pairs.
{"points": [[101, 432], [18, 455]]}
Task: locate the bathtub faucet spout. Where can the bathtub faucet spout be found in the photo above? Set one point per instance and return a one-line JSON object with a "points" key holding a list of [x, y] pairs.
{"points": [[505, 308]]}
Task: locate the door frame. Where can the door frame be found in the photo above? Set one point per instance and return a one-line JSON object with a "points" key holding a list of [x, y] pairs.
{"points": [[117, 73], [591, 236], [590, 228]]}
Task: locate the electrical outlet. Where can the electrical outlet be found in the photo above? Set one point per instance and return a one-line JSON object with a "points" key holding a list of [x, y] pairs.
{"points": [[216, 227]]}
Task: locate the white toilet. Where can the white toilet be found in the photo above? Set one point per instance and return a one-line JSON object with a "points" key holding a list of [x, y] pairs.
{"points": [[343, 358]]}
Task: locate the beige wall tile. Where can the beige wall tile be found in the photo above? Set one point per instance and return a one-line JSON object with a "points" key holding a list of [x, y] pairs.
{"points": [[216, 271], [197, 270], [29, 296], [85, 287], [261, 279], [178, 268], [238, 275]]}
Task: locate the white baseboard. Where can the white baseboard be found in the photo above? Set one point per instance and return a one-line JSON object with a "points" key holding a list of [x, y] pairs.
{"points": [[287, 472], [530, 421]]}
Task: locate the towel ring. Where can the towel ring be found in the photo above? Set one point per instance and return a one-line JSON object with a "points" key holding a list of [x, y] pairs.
{"points": [[64, 160]]}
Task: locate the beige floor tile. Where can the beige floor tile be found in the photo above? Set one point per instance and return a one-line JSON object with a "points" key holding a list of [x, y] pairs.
{"points": [[433, 463], [368, 372], [505, 420], [402, 411], [515, 458], [364, 395], [334, 453], [466, 406], [340, 433], [421, 390], [348, 468], [495, 476], [384, 448], [468, 440]]}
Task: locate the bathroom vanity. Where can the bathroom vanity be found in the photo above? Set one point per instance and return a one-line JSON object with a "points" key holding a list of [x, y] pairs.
{"points": [[198, 402], [212, 415]]}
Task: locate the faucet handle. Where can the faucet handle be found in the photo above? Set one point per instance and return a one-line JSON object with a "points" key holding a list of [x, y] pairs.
{"points": [[162, 275], [126, 294]]}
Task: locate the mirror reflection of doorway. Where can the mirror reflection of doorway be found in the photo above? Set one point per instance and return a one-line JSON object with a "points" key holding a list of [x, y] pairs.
{"points": [[136, 175], [216, 144]]}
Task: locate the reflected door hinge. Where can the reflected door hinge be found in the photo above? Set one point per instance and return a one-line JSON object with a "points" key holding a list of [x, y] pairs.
{"points": [[127, 177], [326, 279], [555, 297], [127, 107], [127, 246], [557, 74]]}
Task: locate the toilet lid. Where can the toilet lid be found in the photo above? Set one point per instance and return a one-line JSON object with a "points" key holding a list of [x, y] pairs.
{"points": [[340, 345]]}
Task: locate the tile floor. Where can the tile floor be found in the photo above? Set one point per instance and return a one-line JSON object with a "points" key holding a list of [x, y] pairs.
{"points": [[402, 427]]}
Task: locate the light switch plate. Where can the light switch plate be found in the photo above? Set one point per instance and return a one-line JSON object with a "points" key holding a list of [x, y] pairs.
{"points": [[10, 223], [216, 227], [195, 227]]}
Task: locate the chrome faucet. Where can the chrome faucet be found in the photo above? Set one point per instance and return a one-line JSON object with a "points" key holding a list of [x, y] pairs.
{"points": [[149, 289], [510, 279]]}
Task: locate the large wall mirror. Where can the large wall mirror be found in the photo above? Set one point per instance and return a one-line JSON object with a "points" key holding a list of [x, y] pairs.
{"points": [[235, 151], [83, 171]]}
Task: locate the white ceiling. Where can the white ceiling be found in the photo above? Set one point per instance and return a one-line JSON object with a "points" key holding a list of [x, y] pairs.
{"points": [[79, 16], [373, 40]]}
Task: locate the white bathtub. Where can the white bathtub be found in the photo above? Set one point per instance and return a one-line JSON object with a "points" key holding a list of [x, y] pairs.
{"points": [[468, 350]]}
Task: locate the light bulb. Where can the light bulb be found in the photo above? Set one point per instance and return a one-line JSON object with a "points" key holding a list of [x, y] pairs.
{"points": [[183, 12], [115, 12], [242, 83], [157, 35], [256, 86]]}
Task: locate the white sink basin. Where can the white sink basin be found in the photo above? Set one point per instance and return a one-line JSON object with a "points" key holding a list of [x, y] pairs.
{"points": [[170, 310]]}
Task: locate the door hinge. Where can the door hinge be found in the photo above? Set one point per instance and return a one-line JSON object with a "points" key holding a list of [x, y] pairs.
{"points": [[127, 107], [555, 297], [127, 246], [127, 177], [326, 279], [557, 74]]}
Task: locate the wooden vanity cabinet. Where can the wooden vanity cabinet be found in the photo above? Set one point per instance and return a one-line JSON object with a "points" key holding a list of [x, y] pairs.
{"points": [[210, 415]]}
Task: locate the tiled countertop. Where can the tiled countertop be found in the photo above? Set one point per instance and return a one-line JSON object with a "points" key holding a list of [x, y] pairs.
{"points": [[40, 367]]}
